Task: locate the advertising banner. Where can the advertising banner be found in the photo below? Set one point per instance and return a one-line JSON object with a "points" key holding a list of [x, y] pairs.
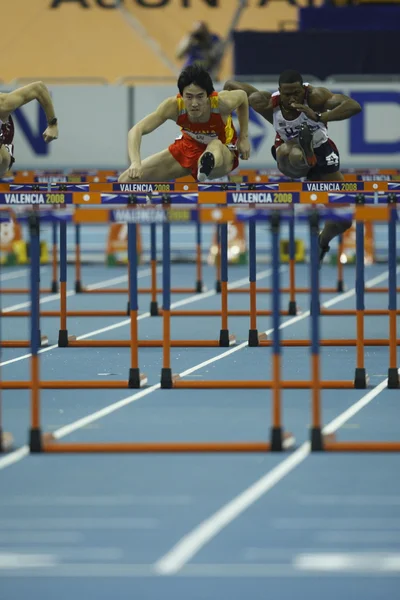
{"points": [[95, 120]]}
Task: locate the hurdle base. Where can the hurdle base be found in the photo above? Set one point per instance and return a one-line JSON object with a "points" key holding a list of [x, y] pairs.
{"points": [[393, 378], [154, 312], [199, 286], [166, 378], [63, 338], [340, 286], [35, 440], [292, 308], [317, 441], [276, 439], [54, 287], [226, 340], [136, 379], [78, 287], [128, 308], [360, 379], [253, 337], [218, 287]]}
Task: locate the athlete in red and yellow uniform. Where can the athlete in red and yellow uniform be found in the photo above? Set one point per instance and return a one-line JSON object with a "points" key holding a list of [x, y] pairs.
{"points": [[195, 137], [208, 146]]}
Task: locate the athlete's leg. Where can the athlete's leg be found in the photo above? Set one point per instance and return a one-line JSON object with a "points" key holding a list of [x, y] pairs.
{"points": [[216, 161], [5, 160], [158, 167], [291, 161], [331, 228]]}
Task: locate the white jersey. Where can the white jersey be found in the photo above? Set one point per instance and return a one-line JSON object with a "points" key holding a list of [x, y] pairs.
{"points": [[289, 130]]}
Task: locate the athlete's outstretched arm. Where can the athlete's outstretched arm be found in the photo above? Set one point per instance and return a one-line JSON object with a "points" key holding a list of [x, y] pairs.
{"points": [[339, 107], [332, 107], [34, 91], [166, 110], [238, 85], [262, 104], [237, 100]]}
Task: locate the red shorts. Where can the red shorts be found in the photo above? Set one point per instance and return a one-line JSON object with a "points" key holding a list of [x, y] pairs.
{"points": [[187, 153]]}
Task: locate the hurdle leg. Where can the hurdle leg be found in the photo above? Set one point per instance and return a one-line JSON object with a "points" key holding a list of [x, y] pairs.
{"points": [[136, 380], [199, 267], [253, 333], [54, 282], [393, 373], [292, 308], [316, 431], [63, 333], [35, 437], [78, 276], [153, 265], [224, 339], [360, 377], [218, 261], [340, 280], [276, 431], [166, 372]]}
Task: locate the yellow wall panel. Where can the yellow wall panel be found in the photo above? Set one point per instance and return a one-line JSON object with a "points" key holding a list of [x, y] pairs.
{"points": [[71, 41]]}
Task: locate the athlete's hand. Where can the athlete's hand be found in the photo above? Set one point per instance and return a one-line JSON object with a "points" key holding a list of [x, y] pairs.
{"points": [[50, 134], [244, 148], [311, 114], [135, 171]]}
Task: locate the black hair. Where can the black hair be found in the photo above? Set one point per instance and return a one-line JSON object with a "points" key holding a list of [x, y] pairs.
{"points": [[290, 76], [198, 75]]}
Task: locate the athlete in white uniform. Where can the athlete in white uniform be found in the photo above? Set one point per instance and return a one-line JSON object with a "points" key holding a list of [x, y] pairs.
{"points": [[300, 113], [8, 104]]}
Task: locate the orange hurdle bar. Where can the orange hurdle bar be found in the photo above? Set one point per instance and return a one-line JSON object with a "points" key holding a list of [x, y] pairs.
{"points": [[257, 385], [163, 447], [196, 313], [333, 342], [65, 385], [22, 343], [73, 343], [362, 446]]}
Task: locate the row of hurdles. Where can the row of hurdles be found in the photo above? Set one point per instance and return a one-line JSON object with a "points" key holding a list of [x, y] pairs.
{"points": [[164, 215], [201, 198]]}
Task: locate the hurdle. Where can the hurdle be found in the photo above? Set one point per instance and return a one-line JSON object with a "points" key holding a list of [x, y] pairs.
{"points": [[328, 442], [45, 442]]}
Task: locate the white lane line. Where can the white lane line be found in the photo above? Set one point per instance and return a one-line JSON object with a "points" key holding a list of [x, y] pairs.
{"points": [[13, 275], [146, 315], [93, 286], [194, 541]]}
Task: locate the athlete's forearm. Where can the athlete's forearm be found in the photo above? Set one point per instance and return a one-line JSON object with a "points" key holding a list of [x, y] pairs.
{"points": [[242, 112], [345, 110], [237, 85], [45, 101], [134, 143]]}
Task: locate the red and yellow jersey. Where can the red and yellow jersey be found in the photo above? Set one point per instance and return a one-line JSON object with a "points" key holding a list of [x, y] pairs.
{"points": [[215, 128]]}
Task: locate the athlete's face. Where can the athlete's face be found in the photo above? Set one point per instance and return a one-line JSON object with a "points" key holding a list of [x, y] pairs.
{"points": [[291, 93], [196, 101]]}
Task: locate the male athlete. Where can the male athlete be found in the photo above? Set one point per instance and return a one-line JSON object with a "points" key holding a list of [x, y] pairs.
{"points": [[8, 104], [299, 113], [208, 146]]}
